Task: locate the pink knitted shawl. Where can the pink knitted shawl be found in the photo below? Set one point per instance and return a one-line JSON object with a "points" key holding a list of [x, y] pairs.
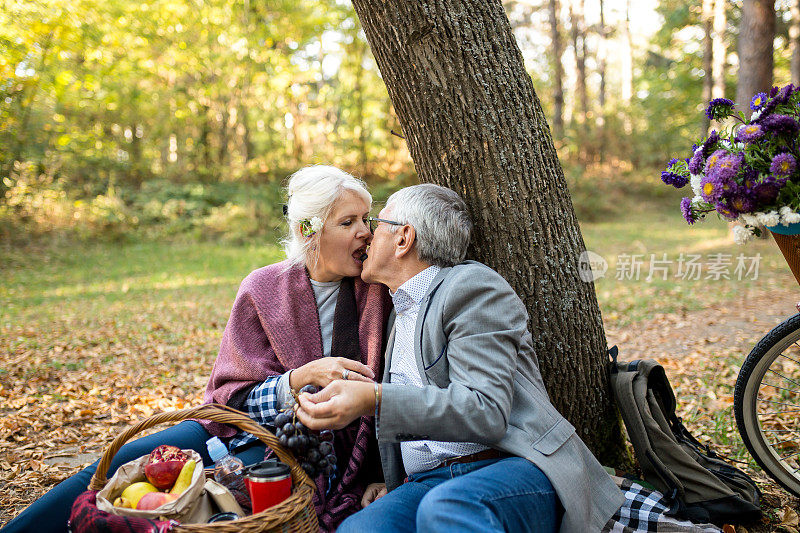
{"points": [[273, 327]]}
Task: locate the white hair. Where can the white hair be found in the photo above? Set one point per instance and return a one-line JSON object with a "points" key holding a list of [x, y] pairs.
{"points": [[440, 220], [312, 192]]}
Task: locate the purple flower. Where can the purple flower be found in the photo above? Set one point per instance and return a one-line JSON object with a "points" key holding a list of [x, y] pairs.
{"points": [[783, 165], [748, 178], [710, 144], [686, 209], [758, 101], [774, 91], [714, 159], [719, 108], [711, 188], [696, 162], [726, 211], [749, 133], [670, 178], [766, 192], [784, 94], [741, 202], [780, 124], [727, 167]]}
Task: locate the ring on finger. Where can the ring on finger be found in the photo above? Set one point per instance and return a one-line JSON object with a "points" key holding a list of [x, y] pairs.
{"points": [[345, 373]]}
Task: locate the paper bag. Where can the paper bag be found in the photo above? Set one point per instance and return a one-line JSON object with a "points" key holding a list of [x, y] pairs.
{"points": [[180, 509]]}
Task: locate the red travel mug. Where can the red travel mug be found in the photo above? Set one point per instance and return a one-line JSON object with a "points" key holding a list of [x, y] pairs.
{"points": [[269, 483]]}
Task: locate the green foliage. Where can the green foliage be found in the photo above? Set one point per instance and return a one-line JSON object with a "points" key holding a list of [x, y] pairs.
{"points": [[96, 94]]}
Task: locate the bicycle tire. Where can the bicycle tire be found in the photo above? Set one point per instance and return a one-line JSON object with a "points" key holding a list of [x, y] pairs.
{"points": [[757, 410]]}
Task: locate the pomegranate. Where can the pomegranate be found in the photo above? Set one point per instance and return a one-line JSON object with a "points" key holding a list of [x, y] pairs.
{"points": [[164, 466]]}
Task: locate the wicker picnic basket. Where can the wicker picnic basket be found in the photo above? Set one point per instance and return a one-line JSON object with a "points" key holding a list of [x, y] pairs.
{"points": [[293, 515], [790, 247]]}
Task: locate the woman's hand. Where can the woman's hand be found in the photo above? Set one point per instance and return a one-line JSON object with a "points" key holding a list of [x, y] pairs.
{"points": [[373, 492], [326, 369]]}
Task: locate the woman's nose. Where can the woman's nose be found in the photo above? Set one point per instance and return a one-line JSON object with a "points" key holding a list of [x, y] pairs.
{"points": [[363, 230]]}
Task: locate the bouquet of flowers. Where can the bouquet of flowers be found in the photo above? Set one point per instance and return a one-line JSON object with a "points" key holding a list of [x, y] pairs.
{"points": [[748, 172]]}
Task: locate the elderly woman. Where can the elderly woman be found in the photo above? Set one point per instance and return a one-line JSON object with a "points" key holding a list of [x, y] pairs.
{"points": [[307, 320]]}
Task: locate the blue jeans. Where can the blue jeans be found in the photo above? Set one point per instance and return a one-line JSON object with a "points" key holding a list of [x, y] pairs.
{"points": [[49, 514], [509, 494]]}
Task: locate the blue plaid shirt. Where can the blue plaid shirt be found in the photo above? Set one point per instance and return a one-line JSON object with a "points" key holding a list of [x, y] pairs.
{"points": [[262, 406]]}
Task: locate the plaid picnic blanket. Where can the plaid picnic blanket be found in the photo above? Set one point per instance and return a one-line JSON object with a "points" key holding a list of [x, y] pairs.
{"points": [[644, 511]]}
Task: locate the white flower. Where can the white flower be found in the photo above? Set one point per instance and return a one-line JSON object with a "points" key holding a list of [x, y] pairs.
{"points": [[789, 216], [769, 219], [741, 234], [316, 224], [755, 115], [750, 220], [694, 181]]}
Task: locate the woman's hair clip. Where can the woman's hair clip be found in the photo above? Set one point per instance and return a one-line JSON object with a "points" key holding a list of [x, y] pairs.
{"points": [[309, 227]]}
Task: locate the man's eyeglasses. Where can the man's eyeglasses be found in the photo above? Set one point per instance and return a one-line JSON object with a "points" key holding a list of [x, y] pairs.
{"points": [[373, 223]]}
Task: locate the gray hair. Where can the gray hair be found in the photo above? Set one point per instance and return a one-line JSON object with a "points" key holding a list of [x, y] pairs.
{"points": [[312, 192], [440, 219]]}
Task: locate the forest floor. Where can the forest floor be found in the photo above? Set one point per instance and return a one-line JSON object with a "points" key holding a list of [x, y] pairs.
{"points": [[95, 337]]}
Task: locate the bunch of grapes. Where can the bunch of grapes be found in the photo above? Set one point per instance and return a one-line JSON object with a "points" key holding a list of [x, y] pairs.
{"points": [[314, 451]]}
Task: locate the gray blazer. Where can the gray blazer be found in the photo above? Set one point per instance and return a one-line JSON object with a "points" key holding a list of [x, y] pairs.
{"points": [[473, 347]]}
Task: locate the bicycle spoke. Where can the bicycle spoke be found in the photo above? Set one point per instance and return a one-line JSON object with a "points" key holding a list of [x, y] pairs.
{"points": [[789, 358], [779, 403], [784, 457], [790, 380], [793, 391]]}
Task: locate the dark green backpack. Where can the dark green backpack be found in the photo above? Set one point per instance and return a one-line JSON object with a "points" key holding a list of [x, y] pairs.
{"points": [[701, 487]]}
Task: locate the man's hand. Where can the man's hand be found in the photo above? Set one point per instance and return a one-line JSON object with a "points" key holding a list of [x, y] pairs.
{"points": [[320, 372], [373, 492], [336, 405]]}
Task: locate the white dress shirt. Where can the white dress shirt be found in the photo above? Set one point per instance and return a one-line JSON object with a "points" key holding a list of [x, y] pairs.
{"points": [[420, 455]]}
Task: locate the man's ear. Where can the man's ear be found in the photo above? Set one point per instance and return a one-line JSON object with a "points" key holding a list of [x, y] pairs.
{"points": [[404, 240]]}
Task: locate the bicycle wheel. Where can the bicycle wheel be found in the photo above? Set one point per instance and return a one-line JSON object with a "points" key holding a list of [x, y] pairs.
{"points": [[766, 402]]}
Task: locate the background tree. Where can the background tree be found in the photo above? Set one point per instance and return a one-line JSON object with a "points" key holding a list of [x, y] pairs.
{"points": [[473, 123], [794, 41], [756, 35], [557, 50]]}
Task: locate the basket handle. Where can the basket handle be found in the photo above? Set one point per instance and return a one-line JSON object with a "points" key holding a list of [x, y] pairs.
{"points": [[214, 412]]}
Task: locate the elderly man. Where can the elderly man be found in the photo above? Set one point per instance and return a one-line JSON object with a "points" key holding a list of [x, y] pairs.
{"points": [[469, 439]]}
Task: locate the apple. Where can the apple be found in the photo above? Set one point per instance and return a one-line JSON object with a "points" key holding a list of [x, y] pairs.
{"points": [[154, 500]]}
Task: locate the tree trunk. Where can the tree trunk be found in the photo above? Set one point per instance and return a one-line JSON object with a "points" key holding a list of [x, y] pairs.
{"points": [[720, 50], [579, 49], [707, 17], [26, 109], [474, 123], [794, 41], [756, 34], [602, 56], [626, 92], [558, 72]]}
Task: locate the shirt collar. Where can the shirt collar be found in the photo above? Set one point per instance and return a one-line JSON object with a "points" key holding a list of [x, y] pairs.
{"points": [[411, 293]]}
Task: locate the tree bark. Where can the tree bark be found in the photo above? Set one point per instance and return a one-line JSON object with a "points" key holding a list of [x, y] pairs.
{"points": [[756, 35], [707, 17], [474, 123], [558, 71], [794, 41]]}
